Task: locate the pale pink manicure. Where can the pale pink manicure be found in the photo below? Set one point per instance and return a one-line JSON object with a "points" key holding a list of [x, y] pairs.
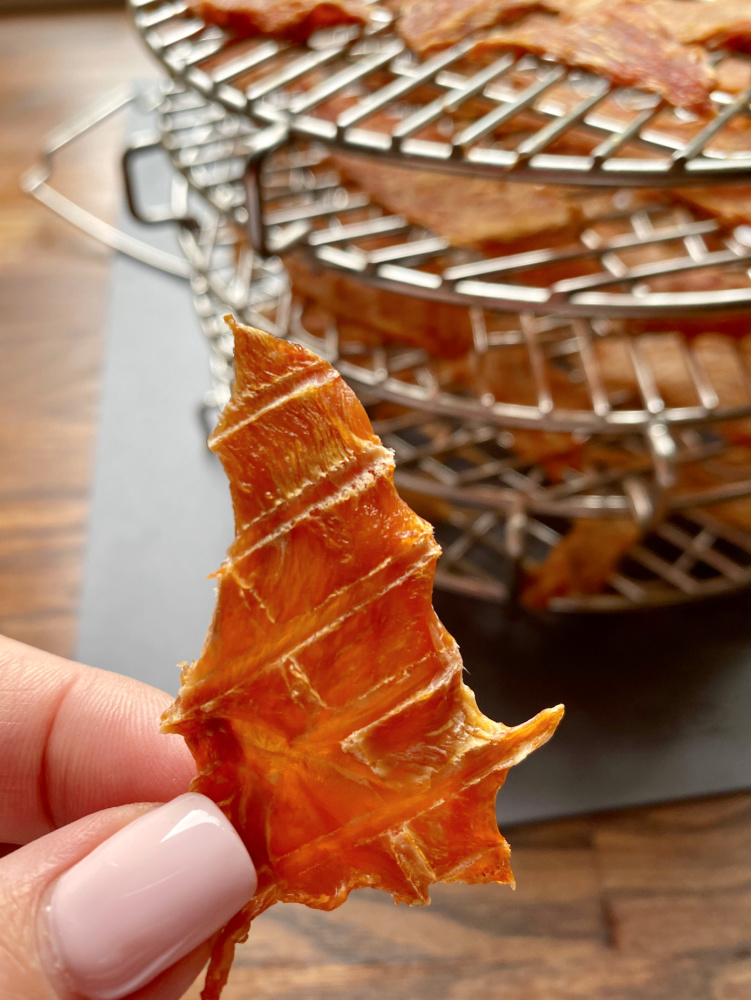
{"points": [[148, 896]]}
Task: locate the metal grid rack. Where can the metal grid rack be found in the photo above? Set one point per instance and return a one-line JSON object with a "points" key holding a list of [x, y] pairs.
{"points": [[520, 117], [496, 518], [626, 254], [561, 382], [496, 509], [498, 513], [632, 471]]}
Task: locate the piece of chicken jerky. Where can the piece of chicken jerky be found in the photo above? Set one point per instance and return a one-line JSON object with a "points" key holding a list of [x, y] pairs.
{"points": [[429, 25], [625, 42], [291, 20], [327, 712], [719, 24]]}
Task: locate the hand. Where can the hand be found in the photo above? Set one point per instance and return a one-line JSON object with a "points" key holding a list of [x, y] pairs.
{"points": [[107, 898]]}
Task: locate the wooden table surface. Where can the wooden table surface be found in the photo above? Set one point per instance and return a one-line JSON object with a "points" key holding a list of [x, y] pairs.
{"points": [[646, 904]]}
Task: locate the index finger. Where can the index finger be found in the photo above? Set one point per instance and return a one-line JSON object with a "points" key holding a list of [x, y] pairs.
{"points": [[74, 740]]}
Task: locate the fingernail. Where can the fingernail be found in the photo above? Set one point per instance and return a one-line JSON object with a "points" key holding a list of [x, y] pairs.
{"points": [[147, 896]]}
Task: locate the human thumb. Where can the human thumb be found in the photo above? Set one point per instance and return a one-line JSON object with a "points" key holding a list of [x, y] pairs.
{"points": [[120, 903]]}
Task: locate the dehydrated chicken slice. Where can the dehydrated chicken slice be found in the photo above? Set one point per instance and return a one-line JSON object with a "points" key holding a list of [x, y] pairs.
{"points": [[427, 25], [713, 23], [293, 20], [363, 313], [582, 562], [625, 42], [479, 213], [724, 363], [585, 559], [719, 24], [731, 204], [732, 467], [327, 712]]}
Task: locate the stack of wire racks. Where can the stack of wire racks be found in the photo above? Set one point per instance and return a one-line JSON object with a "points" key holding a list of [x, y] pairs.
{"points": [[602, 383]]}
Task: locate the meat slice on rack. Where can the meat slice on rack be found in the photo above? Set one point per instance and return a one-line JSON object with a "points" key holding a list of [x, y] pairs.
{"points": [[624, 41], [582, 562], [363, 314], [327, 712], [731, 204], [719, 24], [713, 23], [428, 25], [293, 20], [710, 367], [466, 211], [732, 466], [585, 559]]}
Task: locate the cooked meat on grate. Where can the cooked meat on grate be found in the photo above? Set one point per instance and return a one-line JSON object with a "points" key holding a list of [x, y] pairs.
{"points": [[294, 20], [719, 24], [713, 23], [582, 562], [731, 205], [625, 42], [427, 25], [366, 314], [477, 212]]}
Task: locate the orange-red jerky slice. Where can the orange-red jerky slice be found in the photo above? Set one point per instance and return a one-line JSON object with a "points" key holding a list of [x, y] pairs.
{"points": [[426, 25], [294, 20], [327, 713], [624, 41], [582, 562], [720, 24], [480, 212]]}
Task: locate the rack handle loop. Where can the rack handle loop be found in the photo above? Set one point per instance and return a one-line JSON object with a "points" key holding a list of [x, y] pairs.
{"points": [[37, 181], [148, 215]]}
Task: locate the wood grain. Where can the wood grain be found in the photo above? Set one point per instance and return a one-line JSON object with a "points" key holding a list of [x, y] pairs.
{"points": [[53, 291], [649, 904]]}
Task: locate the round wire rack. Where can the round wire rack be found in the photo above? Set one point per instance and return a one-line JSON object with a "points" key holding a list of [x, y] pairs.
{"points": [[496, 519], [518, 116], [623, 253], [520, 370], [464, 449], [500, 515]]}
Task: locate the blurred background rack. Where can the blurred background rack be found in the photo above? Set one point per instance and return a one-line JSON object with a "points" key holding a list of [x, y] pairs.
{"points": [[626, 137], [588, 390]]}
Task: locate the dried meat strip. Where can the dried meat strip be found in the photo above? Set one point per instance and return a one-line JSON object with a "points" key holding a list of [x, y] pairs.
{"points": [[366, 314], [582, 562], [625, 42], [480, 213], [719, 24], [292, 20], [713, 23], [730, 204], [429, 25], [327, 712]]}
